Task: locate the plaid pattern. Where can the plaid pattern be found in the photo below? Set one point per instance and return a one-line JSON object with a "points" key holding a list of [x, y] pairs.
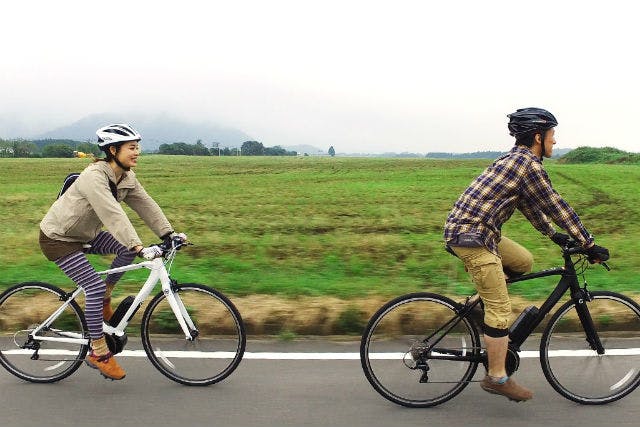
{"points": [[514, 181]]}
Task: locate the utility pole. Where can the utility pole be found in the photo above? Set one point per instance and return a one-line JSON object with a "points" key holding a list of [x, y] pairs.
{"points": [[216, 145]]}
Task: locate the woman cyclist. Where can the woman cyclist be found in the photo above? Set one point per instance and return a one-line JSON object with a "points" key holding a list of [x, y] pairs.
{"points": [[73, 227]]}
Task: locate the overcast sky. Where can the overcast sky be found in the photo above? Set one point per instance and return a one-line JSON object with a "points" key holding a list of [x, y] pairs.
{"points": [[363, 76]]}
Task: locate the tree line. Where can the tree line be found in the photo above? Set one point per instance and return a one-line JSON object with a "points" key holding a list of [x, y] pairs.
{"points": [[248, 148], [46, 148], [66, 148]]}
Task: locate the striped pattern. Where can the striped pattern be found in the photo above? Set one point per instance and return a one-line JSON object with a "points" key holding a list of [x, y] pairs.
{"points": [[77, 268], [514, 181], [105, 244]]}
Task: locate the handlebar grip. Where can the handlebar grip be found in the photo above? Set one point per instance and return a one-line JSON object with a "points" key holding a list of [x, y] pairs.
{"points": [[169, 244], [576, 250]]}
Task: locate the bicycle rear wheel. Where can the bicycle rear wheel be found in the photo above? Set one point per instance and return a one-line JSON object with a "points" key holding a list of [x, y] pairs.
{"points": [[209, 357], [574, 369], [401, 344], [24, 307]]}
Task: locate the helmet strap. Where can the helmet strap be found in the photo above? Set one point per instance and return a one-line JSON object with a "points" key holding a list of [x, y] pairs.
{"points": [[544, 151], [114, 157], [124, 168]]}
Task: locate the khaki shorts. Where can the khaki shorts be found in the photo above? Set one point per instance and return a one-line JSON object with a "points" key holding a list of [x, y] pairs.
{"points": [[487, 272]]}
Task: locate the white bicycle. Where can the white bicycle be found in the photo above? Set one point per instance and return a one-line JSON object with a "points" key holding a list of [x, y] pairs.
{"points": [[191, 333]]}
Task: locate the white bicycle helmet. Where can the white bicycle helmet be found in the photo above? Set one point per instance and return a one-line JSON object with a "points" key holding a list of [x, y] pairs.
{"points": [[116, 134]]}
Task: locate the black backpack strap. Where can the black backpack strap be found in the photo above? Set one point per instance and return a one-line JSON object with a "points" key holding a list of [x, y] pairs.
{"points": [[70, 179], [114, 189]]}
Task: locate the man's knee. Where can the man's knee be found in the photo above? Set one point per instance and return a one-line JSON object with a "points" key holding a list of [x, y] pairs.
{"points": [[497, 312], [523, 264], [515, 257]]}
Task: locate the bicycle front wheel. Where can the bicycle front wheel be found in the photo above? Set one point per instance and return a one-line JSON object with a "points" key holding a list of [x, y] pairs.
{"points": [[577, 371], [22, 309], [216, 348], [416, 352]]}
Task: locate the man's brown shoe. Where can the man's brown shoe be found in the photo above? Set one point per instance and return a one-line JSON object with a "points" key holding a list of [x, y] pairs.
{"points": [[508, 388], [106, 364]]}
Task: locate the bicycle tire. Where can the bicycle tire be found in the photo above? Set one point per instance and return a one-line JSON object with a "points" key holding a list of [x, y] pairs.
{"points": [[399, 327], [26, 305], [575, 370], [211, 356]]}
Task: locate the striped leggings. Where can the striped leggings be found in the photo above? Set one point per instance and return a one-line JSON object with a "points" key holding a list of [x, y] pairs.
{"points": [[77, 268]]}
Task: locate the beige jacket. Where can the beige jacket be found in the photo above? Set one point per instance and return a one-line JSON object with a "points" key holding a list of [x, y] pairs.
{"points": [[80, 213]]}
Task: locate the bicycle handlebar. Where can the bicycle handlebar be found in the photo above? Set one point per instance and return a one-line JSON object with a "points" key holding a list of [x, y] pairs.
{"points": [[573, 248], [172, 244]]}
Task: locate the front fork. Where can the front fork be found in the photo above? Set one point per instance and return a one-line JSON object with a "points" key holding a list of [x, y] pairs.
{"points": [[580, 299], [180, 311]]}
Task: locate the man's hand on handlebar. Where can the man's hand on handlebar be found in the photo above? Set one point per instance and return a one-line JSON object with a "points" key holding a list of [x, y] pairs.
{"points": [[597, 254]]}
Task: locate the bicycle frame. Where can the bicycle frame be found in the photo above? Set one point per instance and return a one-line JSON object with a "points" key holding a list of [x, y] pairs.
{"points": [[158, 272], [568, 281], [579, 295]]}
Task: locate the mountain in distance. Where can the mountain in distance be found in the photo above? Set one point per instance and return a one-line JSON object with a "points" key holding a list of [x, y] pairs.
{"points": [[559, 152], [155, 130]]}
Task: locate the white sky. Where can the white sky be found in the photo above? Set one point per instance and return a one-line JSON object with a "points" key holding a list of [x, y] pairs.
{"points": [[363, 76]]}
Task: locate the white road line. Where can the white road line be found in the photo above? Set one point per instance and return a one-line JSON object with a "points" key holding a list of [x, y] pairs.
{"points": [[321, 356]]}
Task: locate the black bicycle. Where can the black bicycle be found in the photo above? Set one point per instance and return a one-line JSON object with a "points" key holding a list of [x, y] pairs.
{"points": [[422, 349]]}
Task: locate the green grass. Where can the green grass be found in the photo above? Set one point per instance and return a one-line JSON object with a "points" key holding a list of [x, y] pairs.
{"points": [[346, 227]]}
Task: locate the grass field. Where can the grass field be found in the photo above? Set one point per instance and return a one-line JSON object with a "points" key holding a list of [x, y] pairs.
{"points": [[343, 227]]}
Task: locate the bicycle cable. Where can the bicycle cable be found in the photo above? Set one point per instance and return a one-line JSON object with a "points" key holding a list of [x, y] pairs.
{"points": [[169, 259]]}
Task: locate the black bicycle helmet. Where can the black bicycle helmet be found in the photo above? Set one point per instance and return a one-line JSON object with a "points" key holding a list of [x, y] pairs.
{"points": [[526, 120]]}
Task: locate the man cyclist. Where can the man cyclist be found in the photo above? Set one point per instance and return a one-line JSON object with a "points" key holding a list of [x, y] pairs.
{"points": [[472, 231]]}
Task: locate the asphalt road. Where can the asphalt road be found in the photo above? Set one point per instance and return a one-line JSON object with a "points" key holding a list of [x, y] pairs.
{"points": [[284, 392]]}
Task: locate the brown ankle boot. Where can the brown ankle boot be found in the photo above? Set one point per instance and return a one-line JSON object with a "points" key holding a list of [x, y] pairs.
{"points": [[102, 359], [107, 311]]}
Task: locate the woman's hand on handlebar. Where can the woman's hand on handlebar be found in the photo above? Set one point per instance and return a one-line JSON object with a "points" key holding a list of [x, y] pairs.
{"points": [[174, 241], [151, 252], [178, 236]]}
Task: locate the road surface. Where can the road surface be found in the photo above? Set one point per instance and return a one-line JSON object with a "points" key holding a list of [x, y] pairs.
{"points": [[285, 384]]}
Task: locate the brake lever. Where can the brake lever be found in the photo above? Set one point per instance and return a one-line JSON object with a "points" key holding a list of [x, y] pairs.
{"points": [[604, 264]]}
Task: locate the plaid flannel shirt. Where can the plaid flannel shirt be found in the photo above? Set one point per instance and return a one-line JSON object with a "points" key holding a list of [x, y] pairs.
{"points": [[516, 180]]}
